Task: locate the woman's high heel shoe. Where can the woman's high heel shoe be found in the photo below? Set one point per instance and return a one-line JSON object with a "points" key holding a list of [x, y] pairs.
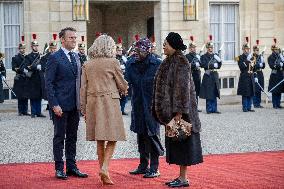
{"points": [[105, 179]]}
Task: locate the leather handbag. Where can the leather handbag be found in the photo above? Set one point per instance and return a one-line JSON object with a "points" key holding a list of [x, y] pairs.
{"points": [[178, 130]]}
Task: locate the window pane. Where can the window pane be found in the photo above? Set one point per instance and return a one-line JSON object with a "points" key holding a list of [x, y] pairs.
{"points": [[215, 13], [229, 49], [11, 14], [225, 83], [229, 13], [231, 82]]}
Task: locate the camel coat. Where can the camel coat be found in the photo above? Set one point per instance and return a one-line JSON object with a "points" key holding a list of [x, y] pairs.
{"points": [[102, 80]]}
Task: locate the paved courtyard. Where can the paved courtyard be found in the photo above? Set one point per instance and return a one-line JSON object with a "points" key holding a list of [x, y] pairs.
{"points": [[23, 139]]}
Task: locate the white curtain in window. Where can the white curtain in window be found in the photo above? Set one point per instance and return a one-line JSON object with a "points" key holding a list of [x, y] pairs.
{"points": [[12, 22], [223, 26]]}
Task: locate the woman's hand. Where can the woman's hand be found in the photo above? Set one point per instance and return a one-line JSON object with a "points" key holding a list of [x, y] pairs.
{"points": [[178, 117], [85, 117], [58, 111]]}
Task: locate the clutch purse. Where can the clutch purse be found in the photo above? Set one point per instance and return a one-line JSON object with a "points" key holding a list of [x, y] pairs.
{"points": [[178, 130]]}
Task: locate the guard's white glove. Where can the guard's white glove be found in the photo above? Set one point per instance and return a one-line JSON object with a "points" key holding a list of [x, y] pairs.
{"points": [[198, 57], [197, 64], [249, 57], [25, 70], [122, 67], [261, 59], [281, 57], [3, 78], [215, 65], [281, 64], [124, 59], [38, 67], [261, 65], [256, 80], [217, 58]]}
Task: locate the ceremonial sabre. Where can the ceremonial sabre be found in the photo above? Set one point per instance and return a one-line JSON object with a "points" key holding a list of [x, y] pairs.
{"points": [[8, 86], [276, 86], [262, 89]]}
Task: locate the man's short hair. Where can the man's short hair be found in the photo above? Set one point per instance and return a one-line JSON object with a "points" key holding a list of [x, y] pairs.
{"points": [[63, 31]]}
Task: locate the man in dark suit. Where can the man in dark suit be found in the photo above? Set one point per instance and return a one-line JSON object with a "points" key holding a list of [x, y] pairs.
{"points": [[63, 87]]}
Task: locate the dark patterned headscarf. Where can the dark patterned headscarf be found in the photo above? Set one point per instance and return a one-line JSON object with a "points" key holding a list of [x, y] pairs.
{"points": [[144, 44]]}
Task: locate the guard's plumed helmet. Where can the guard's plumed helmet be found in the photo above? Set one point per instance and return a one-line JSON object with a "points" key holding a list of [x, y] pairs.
{"points": [[274, 46], [246, 44], [209, 44], [82, 44], [22, 45], [53, 42], [119, 43], [256, 47], [191, 42], [34, 42]]}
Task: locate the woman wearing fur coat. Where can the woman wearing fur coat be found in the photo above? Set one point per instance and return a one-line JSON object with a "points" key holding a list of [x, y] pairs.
{"points": [[174, 97]]}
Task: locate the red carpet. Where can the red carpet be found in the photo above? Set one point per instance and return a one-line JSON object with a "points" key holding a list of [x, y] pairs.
{"points": [[230, 171]]}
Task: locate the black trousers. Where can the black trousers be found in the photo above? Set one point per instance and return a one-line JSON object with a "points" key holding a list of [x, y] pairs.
{"points": [[65, 129], [148, 151], [23, 105]]}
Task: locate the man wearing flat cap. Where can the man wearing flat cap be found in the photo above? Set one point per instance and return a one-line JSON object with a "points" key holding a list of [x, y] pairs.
{"points": [[140, 72]]}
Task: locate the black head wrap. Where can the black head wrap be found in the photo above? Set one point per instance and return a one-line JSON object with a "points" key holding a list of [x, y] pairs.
{"points": [[175, 41]]}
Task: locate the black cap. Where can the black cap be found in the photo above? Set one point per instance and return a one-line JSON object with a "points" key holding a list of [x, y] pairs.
{"points": [[175, 41]]}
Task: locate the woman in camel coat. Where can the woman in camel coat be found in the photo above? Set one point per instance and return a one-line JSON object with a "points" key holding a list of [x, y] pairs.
{"points": [[102, 81]]}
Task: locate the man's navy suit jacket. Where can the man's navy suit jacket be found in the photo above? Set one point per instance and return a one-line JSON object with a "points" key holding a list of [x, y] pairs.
{"points": [[62, 83]]}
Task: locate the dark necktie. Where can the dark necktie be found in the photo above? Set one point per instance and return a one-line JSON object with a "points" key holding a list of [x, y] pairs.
{"points": [[73, 62]]}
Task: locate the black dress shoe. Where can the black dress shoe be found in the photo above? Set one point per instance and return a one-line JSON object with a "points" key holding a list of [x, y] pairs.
{"points": [[178, 183], [199, 110], [124, 113], [280, 107], [138, 171], [151, 174], [75, 172], [170, 182], [40, 115], [20, 114], [251, 110], [26, 114], [33, 116], [245, 110], [217, 112], [60, 175]]}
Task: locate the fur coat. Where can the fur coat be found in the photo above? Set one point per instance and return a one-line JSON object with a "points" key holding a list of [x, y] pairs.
{"points": [[174, 92]]}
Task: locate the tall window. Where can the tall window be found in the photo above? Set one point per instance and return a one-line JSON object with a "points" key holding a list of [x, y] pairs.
{"points": [[224, 24], [11, 16]]}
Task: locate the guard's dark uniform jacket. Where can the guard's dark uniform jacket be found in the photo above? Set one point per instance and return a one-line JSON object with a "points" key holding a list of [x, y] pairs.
{"points": [[258, 73], [83, 58], [43, 62], [35, 90], [246, 86], [210, 87], [21, 83], [196, 73], [276, 73], [2, 73]]}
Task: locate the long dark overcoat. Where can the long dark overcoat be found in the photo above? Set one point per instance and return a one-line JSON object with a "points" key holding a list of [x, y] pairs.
{"points": [[35, 90], [2, 74], [210, 86], [276, 74], [175, 92], [246, 86], [259, 74], [140, 75], [196, 73], [43, 62], [21, 83]]}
